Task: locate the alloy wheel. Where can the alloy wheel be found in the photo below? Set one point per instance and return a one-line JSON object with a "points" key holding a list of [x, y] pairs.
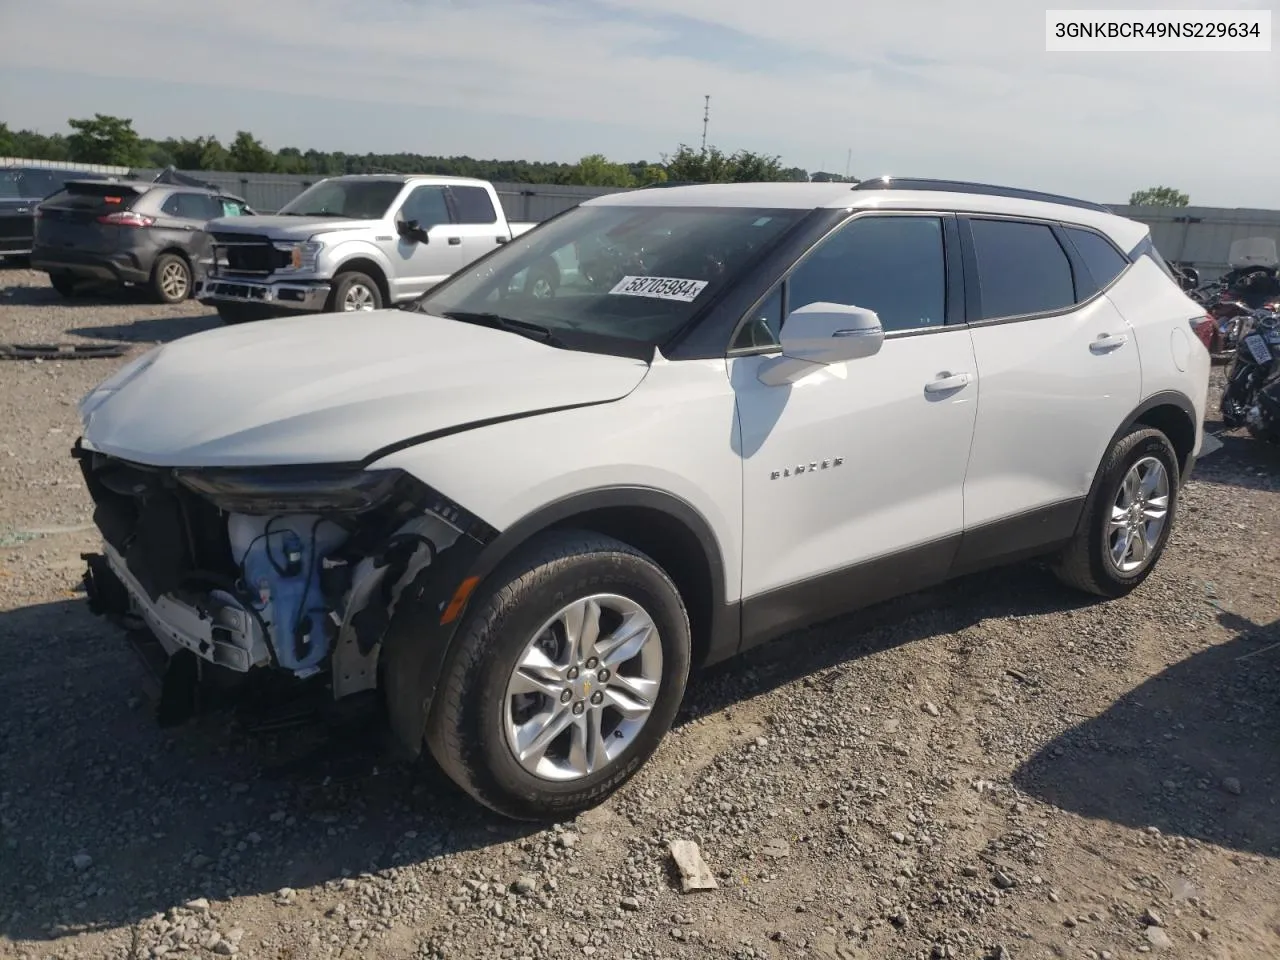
{"points": [[1138, 515]]}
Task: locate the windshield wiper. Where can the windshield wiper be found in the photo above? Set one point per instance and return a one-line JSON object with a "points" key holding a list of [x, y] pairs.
{"points": [[498, 322]]}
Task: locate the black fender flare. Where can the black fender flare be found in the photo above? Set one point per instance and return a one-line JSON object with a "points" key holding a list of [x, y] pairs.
{"points": [[416, 648]]}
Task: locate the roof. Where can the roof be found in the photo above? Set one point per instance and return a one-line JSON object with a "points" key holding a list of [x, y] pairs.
{"points": [[870, 195], [406, 177]]}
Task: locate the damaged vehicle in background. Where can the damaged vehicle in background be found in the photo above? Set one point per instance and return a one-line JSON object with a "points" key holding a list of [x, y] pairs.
{"points": [[515, 517]]}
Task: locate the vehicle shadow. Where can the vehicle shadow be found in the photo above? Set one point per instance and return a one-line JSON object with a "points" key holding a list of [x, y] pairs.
{"points": [[1242, 462], [834, 646], [1192, 751], [106, 818], [168, 815], [150, 329], [25, 295]]}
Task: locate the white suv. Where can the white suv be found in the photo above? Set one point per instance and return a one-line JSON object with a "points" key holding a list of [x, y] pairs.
{"points": [[518, 513]]}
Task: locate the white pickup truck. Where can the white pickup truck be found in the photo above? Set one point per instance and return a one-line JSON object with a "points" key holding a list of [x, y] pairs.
{"points": [[352, 243]]}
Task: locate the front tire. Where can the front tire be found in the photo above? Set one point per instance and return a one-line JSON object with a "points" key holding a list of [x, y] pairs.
{"points": [[567, 673], [1128, 517], [354, 292]]}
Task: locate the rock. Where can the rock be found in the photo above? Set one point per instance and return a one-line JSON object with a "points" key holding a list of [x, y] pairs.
{"points": [[898, 837], [969, 871], [1158, 939], [776, 849], [82, 861], [901, 919], [568, 841], [630, 903], [694, 872], [235, 934], [226, 948], [761, 742], [1004, 881], [525, 884], [1151, 918], [1232, 786], [931, 709]]}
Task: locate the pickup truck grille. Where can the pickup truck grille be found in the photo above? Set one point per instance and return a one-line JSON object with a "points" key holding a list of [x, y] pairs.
{"points": [[247, 253]]}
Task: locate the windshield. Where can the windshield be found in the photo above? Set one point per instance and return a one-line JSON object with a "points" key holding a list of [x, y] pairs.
{"points": [[622, 273], [357, 199]]}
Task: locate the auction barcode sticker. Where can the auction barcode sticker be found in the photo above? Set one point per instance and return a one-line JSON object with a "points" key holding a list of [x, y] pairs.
{"points": [[662, 288], [1158, 31]]}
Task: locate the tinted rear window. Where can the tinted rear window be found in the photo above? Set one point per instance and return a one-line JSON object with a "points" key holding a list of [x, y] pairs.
{"points": [[33, 184], [473, 205], [1103, 261], [94, 197], [1022, 269]]}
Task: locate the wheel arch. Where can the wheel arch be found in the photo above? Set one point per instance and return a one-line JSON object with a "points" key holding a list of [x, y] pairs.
{"points": [[361, 263], [1174, 415], [665, 527]]}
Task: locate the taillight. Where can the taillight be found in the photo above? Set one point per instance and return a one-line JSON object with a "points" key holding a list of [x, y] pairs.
{"points": [[1202, 327], [126, 218]]}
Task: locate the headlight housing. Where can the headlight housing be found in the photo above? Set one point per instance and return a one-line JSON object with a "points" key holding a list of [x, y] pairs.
{"points": [[303, 255], [293, 490]]}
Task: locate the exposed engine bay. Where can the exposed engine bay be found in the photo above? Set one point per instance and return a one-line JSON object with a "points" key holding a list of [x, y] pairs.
{"points": [[296, 569]]}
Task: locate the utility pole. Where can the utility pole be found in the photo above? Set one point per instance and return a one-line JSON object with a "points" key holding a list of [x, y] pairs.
{"points": [[848, 161], [706, 119]]}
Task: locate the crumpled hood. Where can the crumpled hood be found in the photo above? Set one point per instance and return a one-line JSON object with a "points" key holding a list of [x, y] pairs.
{"points": [[333, 388], [287, 228]]}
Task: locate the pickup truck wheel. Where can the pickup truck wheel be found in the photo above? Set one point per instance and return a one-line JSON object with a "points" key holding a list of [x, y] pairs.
{"points": [[1128, 517], [171, 279], [353, 293], [566, 674]]}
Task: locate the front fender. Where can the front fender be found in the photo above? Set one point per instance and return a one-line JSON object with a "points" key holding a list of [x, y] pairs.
{"points": [[332, 258]]}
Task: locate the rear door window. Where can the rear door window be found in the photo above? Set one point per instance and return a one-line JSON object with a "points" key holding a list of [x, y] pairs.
{"points": [[230, 208], [1022, 269], [194, 206], [472, 205]]}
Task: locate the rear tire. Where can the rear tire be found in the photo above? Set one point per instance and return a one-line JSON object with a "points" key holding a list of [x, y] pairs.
{"points": [[171, 279], [65, 284], [354, 292], [1118, 543], [523, 619]]}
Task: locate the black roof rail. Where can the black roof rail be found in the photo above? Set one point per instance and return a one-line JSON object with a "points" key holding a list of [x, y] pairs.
{"points": [[982, 189]]}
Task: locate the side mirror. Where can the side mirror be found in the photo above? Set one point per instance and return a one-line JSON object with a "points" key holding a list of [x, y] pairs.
{"points": [[823, 334], [412, 230]]}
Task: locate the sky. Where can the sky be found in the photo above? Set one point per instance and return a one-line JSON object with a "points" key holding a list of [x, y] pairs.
{"points": [[909, 88]]}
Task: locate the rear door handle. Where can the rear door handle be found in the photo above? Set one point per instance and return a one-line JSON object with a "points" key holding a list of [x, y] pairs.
{"points": [[947, 382], [454, 241], [1107, 342]]}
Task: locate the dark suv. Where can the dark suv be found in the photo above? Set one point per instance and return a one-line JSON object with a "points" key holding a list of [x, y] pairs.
{"points": [[128, 232], [21, 189]]}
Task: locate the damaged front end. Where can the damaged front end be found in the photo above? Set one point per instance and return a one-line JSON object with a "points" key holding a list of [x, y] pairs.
{"points": [[297, 571]]}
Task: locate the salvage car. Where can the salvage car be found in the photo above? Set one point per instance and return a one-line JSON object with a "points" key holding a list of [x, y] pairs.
{"points": [[521, 519], [142, 233], [353, 244]]}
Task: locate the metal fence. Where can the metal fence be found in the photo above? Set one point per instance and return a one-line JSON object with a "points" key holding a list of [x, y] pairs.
{"points": [[1200, 236], [268, 192]]}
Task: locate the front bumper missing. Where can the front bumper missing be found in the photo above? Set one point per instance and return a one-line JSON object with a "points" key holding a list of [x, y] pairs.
{"points": [[229, 637], [301, 296]]}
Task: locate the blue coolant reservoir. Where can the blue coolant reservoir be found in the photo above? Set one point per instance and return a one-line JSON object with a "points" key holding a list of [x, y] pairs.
{"points": [[280, 560]]}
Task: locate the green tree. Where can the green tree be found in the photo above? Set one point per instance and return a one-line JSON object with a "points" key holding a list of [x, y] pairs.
{"points": [[595, 170], [248, 155], [107, 140], [1159, 197]]}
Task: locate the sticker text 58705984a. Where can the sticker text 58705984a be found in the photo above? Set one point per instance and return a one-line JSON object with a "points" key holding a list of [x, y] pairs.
{"points": [[662, 288]]}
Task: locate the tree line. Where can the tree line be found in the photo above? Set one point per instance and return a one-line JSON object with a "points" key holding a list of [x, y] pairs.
{"points": [[112, 140]]}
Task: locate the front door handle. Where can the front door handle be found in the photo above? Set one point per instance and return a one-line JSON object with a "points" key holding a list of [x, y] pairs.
{"points": [[454, 241], [1107, 342], [947, 382]]}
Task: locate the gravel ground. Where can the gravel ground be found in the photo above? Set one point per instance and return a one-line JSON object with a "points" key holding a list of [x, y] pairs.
{"points": [[994, 769]]}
